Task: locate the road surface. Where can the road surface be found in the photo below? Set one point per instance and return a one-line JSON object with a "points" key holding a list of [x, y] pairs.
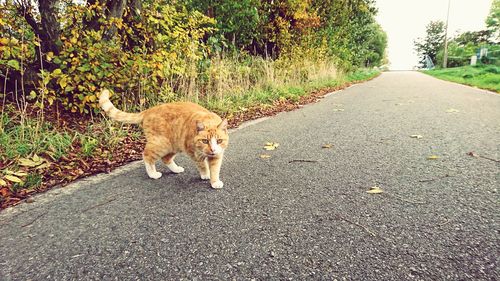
{"points": [[303, 213]]}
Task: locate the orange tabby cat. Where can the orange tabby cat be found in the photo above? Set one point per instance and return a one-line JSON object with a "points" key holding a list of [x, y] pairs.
{"points": [[178, 127]]}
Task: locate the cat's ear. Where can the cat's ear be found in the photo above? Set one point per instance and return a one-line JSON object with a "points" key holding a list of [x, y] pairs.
{"points": [[223, 124], [199, 126]]}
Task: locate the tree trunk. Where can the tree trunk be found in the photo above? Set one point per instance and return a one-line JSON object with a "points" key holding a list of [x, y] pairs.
{"points": [[115, 9], [50, 29]]}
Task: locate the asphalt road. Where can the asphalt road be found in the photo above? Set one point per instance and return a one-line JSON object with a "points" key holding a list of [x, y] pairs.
{"points": [[286, 218]]}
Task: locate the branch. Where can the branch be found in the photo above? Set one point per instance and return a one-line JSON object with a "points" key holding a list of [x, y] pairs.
{"points": [[24, 8]]}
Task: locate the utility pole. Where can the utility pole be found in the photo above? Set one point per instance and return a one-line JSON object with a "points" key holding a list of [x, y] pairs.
{"points": [[445, 55]]}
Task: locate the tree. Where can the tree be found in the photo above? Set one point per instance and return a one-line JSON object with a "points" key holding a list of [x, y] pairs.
{"points": [[432, 43], [493, 20]]}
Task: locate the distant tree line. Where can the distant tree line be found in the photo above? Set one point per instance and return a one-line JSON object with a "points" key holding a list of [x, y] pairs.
{"points": [[462, 46]]}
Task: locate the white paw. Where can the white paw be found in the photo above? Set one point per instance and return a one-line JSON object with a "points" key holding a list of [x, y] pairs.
{"points": [[154, 175], [176, 169], [217, 184], [205, 177]]}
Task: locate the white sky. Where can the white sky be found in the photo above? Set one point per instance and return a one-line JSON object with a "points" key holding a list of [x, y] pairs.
{"points": [[405, 20]]}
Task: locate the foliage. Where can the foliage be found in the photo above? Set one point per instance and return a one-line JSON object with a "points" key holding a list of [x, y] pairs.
{"points": [[493, 20], [482, 76], [432, 43], [158, 51]]}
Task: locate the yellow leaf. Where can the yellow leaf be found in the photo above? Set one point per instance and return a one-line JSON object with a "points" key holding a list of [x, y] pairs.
{"points": [[63, 82], [374, 190], [20, 174], [433, 157], [13, 178], [416, 136], [265, 156], [57, 71], [73, 40], [328, 145], [452, 110], [36, 158], [271, 145], [50, 55], [27, 162], [43, 166]]}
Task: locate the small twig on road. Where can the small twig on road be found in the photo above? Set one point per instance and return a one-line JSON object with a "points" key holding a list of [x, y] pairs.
{"points": [[303, 161], [473, 154], [357, 224], [34, 220], [98, 205]]}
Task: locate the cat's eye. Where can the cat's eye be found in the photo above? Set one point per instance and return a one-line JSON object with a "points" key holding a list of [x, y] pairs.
{"points": [[205, 141], [219, 141]]}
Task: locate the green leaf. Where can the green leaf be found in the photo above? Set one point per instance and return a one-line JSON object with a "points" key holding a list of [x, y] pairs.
{"points": [[14, 64]]}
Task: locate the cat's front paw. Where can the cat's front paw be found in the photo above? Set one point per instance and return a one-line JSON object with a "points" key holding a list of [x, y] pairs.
{"points": [[205, 177], [154, 175], [177, 169], [217, 184]]}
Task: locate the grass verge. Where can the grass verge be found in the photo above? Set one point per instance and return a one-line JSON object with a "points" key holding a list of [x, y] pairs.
{"points": [[39, 152], [481, 76]]}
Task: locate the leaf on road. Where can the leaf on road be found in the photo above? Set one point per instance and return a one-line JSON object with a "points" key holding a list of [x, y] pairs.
{"points": [[338, 109], [271, 145], [327, 145], [265, 156], [433, 157], [473, 154], [13, 178], [416, 136], [374, 190], [452, 110]]}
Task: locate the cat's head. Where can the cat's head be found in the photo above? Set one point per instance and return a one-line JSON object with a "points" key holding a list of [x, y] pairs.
{"points": [[211, 140]]}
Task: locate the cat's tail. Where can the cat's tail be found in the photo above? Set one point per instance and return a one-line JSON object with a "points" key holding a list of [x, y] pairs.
{"points": [[116, 114]]}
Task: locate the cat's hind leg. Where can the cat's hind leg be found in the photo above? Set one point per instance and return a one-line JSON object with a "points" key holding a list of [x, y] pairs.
{"points": [[150, 157], [168, 159]]}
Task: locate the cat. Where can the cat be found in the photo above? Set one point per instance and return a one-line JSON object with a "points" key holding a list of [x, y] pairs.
{"points": [[177, 127]]}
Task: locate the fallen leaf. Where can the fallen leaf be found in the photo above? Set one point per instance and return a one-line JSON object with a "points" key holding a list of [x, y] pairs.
{"points": [[43, 166], [20, 174], [374, 190], [452, 110], [271, 145], [473, 154], [328, 145], [2, 182], [27, 162], [13, 178], [338, 109], [433, 157], [265, 156], [36, 159], [416, 136]]}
